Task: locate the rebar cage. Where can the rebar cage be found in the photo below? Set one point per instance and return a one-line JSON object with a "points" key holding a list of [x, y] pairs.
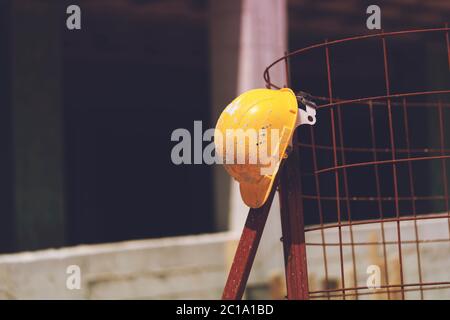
{"points": [[364, 195]]}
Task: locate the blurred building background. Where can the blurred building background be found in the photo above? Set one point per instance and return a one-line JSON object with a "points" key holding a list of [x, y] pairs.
{"points": [[86, 118]]}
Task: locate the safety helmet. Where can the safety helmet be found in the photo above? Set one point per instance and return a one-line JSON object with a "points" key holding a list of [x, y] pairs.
{"points": [[252, 135]]}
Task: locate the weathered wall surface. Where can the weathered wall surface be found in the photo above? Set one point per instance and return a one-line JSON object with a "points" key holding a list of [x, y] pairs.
{"points": [[175, 268], [196, 267]]}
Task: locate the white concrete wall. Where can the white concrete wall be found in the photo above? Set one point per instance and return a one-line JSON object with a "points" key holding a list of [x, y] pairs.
{"points": [[196, 267], [191, 267]]}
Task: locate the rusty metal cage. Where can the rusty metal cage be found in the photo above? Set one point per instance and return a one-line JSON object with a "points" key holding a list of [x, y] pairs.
{"points": [[367, 186]]}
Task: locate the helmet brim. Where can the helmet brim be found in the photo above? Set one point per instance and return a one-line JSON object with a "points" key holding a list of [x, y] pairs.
{"points": [[255, 195]]}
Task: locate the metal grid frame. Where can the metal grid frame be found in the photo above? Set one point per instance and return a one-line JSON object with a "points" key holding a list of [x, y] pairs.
{"points": [[291, 196]]}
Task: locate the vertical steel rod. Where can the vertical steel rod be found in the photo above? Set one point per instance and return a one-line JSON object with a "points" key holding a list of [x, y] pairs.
{"points": [[413, 194], [394, 166], [319, 205], [336, 173], [378, 190], [347, 198]]}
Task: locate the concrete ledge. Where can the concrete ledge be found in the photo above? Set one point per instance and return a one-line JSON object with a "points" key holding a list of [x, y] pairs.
{"points": [[173, 268], [196, 267]]}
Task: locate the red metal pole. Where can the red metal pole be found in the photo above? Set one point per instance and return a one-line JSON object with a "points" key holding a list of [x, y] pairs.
{"points": [[293, 228], [246, 251]]}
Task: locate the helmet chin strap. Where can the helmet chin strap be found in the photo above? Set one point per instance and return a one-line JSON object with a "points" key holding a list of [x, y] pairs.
{"points": [[307, 115]]}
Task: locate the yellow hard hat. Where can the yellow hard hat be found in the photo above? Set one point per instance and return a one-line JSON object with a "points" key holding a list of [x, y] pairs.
{"points": [[252, 135]]}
